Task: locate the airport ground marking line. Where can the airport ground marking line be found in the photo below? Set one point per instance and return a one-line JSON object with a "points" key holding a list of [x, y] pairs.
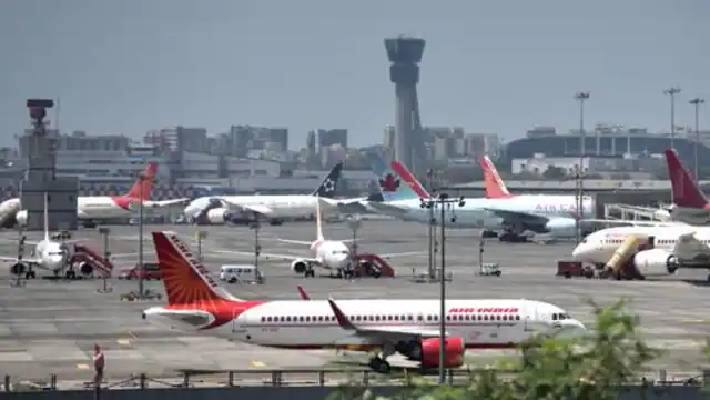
{"points": [[82, 366]]}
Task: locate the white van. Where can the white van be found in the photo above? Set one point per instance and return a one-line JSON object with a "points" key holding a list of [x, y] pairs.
{"points": [[234, 273]]}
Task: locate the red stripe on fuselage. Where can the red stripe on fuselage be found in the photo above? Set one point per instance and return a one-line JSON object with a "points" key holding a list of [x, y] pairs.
{"points": [[223, 310]]}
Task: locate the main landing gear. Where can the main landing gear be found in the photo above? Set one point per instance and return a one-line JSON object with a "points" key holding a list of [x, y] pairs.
{"points": [[379, 365], [379, 362]]}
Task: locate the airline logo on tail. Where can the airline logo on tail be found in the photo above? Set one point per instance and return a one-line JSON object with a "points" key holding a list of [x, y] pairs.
{"points": [[329, 184], [388, 182], [190, 286], [141, 189], [495, 187], [685, 192]]}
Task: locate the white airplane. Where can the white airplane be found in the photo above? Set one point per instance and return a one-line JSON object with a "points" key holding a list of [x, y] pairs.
{"points": [[48, 254], [276, 208], [91, 209], [410, 327], [8, 212], [327, 254], [658, 250], [515, 215]]}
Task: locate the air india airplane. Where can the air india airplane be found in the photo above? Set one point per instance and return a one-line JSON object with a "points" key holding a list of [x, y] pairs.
{"points": [[409, 327], [100, 208]]}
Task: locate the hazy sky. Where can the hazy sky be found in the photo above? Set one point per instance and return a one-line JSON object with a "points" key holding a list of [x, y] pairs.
{"points": [[502, 66]]}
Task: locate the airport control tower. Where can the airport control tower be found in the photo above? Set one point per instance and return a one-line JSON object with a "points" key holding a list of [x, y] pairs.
{"points": [[404, 53], [38, 147]]}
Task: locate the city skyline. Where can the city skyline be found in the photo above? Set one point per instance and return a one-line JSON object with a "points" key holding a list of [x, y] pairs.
{"points": [[126, 68]]}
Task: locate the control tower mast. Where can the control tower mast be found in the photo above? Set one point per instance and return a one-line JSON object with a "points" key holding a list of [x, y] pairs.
{"points": [[405, 53]]}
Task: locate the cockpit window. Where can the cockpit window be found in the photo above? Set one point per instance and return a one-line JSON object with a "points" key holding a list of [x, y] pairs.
{"points": [[560, 316]]}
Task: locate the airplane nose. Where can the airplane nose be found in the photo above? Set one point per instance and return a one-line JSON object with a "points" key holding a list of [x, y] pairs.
{"points": [[578, 252]]}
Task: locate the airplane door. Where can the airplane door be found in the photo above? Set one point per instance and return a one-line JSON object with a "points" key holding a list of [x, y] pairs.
{"points": [[651, 242]]}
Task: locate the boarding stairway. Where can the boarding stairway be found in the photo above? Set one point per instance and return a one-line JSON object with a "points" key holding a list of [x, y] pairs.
{"points": [[621, 264], [94, 262], [372, 265]]}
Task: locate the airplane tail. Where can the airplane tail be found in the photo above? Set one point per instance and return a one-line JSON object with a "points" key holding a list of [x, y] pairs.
{"points": [[319, 223], [147, 183], [389, 183], [685, 192], [495, 187], [186, 280], [327, 187], [410, 179]]}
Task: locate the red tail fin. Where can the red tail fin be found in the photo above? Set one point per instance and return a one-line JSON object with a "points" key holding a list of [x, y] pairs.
{"points": [[685, 192], [186, 280], [495, 187], [401, 170], [149, 177]]}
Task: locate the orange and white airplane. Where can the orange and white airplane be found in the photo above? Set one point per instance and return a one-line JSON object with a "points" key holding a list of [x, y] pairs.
{"points": [[97, 208], [409, 327]]}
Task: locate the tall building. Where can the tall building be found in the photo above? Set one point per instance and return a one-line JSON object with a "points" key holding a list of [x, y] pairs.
{"points": [[243, 138], [404, 54]]}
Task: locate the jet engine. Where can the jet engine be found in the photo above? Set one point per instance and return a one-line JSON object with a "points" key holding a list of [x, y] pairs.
{"points": [[561, 227], [454, 349], [218, 215], [299, 266], [21, 217], [655, 262]]}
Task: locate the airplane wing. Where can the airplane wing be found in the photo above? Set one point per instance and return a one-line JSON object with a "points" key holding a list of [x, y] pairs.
{"points": [[166, 203], [389, 333], [388, 209], [24, 259], [271, 256], [306, 242], [531, 221]]}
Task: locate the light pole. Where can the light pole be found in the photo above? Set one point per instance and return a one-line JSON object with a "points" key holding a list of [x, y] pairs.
{"points": [[442, 201], [200, 236], [141, 178], [671, 92], [581, 97], [257, 247], [697, 102], [430, 225]]}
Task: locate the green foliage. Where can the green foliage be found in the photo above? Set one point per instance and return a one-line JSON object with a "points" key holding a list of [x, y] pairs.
{"points": [[591, 366]]}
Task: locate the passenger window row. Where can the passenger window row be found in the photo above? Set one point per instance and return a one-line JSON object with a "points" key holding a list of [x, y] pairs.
{"points": [[429, 317]]}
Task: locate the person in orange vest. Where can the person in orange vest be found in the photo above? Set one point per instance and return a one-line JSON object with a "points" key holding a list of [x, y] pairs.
{"points": [[98, 359]]}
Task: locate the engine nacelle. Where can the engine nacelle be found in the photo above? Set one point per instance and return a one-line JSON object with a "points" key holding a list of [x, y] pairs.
{"points": [[454, 349], [21, 217], [655, 262], [299, 266], [561, 227], [218, 215]]}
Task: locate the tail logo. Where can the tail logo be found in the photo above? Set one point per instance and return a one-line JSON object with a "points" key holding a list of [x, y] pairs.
{"points": [[389, 183], [329, 185]]}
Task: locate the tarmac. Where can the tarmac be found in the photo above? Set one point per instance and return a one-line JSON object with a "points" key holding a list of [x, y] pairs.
{"points": [[50, 326]]}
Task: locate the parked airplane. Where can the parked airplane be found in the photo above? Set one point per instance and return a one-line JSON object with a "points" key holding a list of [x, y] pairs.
{"points": [[327, 254], [664, 248], [409, 327], [543, 213], [275, 208], [48, 254], [91, 209], [514, 215], [690, 204]]}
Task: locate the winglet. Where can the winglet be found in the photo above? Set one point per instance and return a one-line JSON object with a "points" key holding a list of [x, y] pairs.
{"points": [[343, 321], [495, 187], [685, 192], [304, 295], [411, 180]]}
